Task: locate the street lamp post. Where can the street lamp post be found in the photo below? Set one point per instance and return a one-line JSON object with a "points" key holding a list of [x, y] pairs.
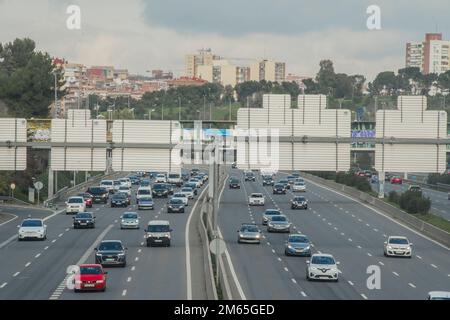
{"points": [[150, 114], [230, 110], [204, 106], [56, 95], [179, 108]]}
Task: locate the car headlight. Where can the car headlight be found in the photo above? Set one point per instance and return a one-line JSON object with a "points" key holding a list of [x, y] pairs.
{"points": [[290, 247], [307, 248], [258, 236], [121, 254], [389, 247]]}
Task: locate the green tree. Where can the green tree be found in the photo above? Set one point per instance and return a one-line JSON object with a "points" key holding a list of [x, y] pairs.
{"points": [[326, 78], [27, 80], [385, 80]]}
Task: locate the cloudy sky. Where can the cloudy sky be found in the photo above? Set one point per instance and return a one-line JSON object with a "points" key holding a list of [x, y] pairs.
{"points": [[142, 35]]}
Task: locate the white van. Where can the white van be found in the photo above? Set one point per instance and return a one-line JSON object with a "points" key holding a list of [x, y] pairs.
{"points": [[143, 192]]}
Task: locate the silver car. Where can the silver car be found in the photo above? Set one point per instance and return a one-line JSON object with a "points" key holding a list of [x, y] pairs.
{"points": [[129, 220], [398, 246], [249, 233], [268, 214], [279, 223], [298, 245]]}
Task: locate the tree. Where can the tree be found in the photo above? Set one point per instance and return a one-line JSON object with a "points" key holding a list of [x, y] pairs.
{"points": [[27, 80], [386, 80], [311, 86], [326, 78], [444, 81]]}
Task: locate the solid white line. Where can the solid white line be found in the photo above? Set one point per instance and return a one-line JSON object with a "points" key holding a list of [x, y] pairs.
{"points": [[411, 285], [3, 285], [5, 243], [381, 214], [10, 220], [188, 250]]}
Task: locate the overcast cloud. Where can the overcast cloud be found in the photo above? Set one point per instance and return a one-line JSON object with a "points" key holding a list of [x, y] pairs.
{"points": [[143, 35]]}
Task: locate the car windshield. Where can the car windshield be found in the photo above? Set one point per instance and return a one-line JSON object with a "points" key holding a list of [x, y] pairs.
{"points": [[117, 183], [158, 228], [32, 223], [256, 195], [249, 229], [97, 190], [179, 195], [291, 178], [76, 200], [300, 199], [107, 246], [145, 183], [298, 239], [299, 183], [272, 213], [145, 199], [83, 216], [279, 219], [322, 260], [283, 181], [174, 176], [234, 180], [90, 270], [107, 183], [119, 196], [160, 176], [159, 187], [398, 241], [176, 201], [129, 216], [144, 191], [123, 188], [279, 186], [186, 190]]}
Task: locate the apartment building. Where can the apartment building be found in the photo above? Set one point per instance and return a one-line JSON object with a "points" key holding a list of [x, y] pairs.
{"points": [[204, 57], [431, 56], [268, 70]]}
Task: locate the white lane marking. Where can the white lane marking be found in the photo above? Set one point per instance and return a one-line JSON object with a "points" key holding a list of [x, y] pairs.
{"points": [[16, 274], [434, 266], [329, 223], [129, 279], [350, 283], [347, 212], [10, 220], [46, 248], [133, 268], [364, 296], [419, 257], [5, 243], [381, 263], [54, 240], [142, 243], [294, 281], [67, 229], [28, 264], [188, 250], [279, 259], [335, 228], [359, 220], [273, 251], [384, 235], [376, 230], [140, 250], [368, 225], [60, 235], [369, 254], [350, 240], [359, 247], [395, 273], [303, 293], [3, 285], [268, 243], [124, 293], [342, 234], [286, 269], [411, 285]]}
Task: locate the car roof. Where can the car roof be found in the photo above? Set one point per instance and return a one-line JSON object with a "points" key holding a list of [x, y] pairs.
{"points": [[76, 197], [90, 265], [297, 235], [158, 222], [84, 213], [32, 219], [107, 241], [445, 294], [322, 255], [398, 237], [256, 194], [272, 210]]}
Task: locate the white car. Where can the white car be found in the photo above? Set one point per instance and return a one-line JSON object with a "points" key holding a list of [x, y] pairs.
{"points": [[398, 246], [32, 229], [182, 197], [197, 183], [322, 266], [116, 185], [299, 187], [143, 192], [438, 295], [125, 182], [175, 178], [75, 205], [256, 199], [188, 192], [125, 189], [160, 178], [108, 185]]}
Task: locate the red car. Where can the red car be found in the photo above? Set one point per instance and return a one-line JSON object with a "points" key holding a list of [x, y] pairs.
{"points": [[87, 199], [396, 180], [91, 277]]}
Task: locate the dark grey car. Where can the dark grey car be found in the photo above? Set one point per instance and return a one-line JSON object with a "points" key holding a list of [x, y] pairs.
{"points": [[111, 253]]}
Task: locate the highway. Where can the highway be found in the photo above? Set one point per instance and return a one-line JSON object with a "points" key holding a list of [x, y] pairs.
{"points": [[37, 269], [335, 224], [440, 204]]}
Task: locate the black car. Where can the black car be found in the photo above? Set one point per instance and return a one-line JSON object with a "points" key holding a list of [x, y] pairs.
{"points": [[234, 183], [299, 203], [249, 176], [267, 181], [185, 176], [135, 180], [99, 194], [194, 172], [279, 189], [111, 252], [170, 188], [119, 200], [285, 183], [159, 190], [191, 185], [175, 205], [84, 220]]}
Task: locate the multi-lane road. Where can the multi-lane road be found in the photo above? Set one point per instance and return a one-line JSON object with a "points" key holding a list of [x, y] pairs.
{"points": [[351, 231], [37, 269], [335, 224]]}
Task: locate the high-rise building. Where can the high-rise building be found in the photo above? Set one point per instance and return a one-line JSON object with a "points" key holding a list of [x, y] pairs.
{"points": [[431, 56], [221, 71], [268, 70], [204, 57]]}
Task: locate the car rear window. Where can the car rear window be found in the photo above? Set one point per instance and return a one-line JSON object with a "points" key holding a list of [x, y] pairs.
{"points": [[398, 241], [143, 191], [90, 270], [107, 183], [76, 200], [97, 190]]}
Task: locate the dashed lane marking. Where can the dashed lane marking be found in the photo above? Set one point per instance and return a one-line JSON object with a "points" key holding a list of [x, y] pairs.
{"points": [[411, 285], [3, 285], [395, 273]]}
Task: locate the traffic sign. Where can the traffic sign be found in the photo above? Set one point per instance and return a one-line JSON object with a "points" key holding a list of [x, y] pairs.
{"points": [[12, 186], [217, 246], [38, 185]]}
